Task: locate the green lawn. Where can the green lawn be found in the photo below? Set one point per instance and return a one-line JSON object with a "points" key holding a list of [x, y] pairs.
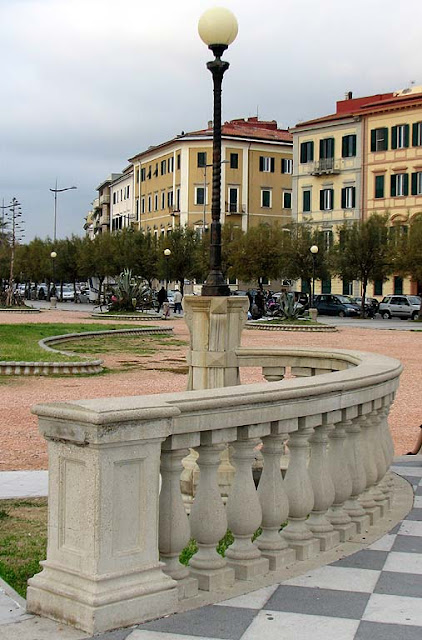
{"points": [[20, 342]]}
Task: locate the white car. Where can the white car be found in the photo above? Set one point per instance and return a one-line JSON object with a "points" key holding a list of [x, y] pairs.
{"points": [[400, 306], [68, 294]]}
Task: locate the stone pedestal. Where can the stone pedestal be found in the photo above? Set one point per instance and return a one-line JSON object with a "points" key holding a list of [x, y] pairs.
{"points": [[215, 325], [53, 302]]}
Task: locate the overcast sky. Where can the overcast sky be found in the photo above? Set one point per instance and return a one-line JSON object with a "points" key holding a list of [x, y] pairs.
{"points": [[86, 84]]}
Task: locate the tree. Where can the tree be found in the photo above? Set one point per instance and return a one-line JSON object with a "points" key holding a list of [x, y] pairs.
{"points": [[297, 261], [408, 257], [257, 253], [363, 252], [184, 244], [99, 258]]}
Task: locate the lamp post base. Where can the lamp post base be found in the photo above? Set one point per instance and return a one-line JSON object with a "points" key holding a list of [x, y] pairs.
{"points": [[53, 302]]}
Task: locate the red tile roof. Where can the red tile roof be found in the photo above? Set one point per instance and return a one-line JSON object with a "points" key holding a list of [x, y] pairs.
{"points": [[250, 128]]}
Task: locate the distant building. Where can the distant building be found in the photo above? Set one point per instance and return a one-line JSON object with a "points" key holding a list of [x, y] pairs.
{"points": [[364, 158]]}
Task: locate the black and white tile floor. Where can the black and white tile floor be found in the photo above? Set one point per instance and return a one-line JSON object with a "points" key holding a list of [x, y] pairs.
{"points": [[374, 594]]}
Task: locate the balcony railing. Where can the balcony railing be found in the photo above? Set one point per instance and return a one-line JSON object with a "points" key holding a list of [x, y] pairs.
{"points": [[326, 166], [105, 199], [115, 536]]}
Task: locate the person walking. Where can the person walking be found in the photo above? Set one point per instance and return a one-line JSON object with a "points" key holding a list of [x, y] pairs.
{"points": [[161, 298], [178, 301]]}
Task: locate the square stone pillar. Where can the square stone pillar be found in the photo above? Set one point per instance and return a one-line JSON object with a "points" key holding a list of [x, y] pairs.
{"points": [[215, 325], [102, 569]]}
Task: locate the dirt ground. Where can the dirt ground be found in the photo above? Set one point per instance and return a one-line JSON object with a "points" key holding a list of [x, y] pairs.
{"points": [[21, 447]]}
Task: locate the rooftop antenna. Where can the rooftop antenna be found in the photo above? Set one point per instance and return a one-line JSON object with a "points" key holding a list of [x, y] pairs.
{"points": [[257, 112]]}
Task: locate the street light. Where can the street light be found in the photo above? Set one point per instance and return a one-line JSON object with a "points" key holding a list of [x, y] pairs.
{"points": [[314, 250], [56, 191], [218, 29], [167, 254], [53, 297]]}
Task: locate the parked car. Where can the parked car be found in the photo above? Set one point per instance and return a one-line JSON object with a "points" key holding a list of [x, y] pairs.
{"points": [[371, 305], [400, 306], [336, 305], [66, 294]]}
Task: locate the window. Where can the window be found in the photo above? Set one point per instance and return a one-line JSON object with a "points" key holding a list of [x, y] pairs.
{"points": [[287, 199], [170, 199], [348, 198], [163, 199], [400, 136], [399, 185], [266, 164], [233, 199], [326, 199], [234, 161], [378, 287], [149, 172], [306, 286], [286, 165], [398, 285], [170, 164], [266, 198], [417, 134], [149, 204], [163, 167], [199, 195], [326, 286], [128, 191], [306, 152], [178, 199], [306, 200], [202, 159], [137, 209], [347, 288], [143, 175], [417, 183], [326, 148], [379, 139], [379, 186], [348, 146], [327, 242], [137, 176], [156, 169], [143, 205], [178, 162], [155, 201], [114, 197]]}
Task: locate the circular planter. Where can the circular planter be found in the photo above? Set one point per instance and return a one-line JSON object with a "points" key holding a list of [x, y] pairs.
{"points": [[312, 328]]}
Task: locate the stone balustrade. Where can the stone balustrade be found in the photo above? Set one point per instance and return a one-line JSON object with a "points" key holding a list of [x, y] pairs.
{"points": [[114, 537]]}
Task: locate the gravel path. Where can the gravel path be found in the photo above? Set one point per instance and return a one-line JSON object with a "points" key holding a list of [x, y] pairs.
{"points": [[21, 447]]}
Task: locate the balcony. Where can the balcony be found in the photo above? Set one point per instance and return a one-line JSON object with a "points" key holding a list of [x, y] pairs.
{"points": [[117, 521], [326, 166], [105, 199]]}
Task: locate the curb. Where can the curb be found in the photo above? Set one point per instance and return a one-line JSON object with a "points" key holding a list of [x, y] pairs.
{"points": [[292, 327]]}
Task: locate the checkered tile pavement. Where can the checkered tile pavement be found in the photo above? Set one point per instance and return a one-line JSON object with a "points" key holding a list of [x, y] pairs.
{"points": [[374, 594]]}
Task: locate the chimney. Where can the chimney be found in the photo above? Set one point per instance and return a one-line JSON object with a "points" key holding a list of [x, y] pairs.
{"points": [[210, 124], [348, 95]]}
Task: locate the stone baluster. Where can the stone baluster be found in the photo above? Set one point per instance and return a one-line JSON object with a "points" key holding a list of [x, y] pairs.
{"points": [[274, 502], [299, 492], [366, 498], [342, 481], [174, 527], [273, 374], [384, 433], [378, 455], [389, 446], [357, 473], [208, 519], [322, 486], [244, 512]]}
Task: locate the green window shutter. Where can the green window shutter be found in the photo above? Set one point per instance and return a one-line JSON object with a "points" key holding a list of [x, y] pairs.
{"points": [[331, 148], [353, 197], [261, 163], [406, 135], [393, 186], [394, 137], [332, 198], [414, 184], [379, 186], [343, 198], [272, 165], [406, 184], [322, 155], [385, 138], [306, 201], [302, 153], [353, 146], [321, 200], [283, 166], [373, 140], [377, 287], [415, 128], [311, 152], [344, 147]]}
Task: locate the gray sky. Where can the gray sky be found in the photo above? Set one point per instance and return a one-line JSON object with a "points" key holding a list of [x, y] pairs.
{"points": [[86, 84]]}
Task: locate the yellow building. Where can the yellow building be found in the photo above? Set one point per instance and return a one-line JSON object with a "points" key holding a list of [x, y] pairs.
{"points": [[365, 158], [173, 180]]}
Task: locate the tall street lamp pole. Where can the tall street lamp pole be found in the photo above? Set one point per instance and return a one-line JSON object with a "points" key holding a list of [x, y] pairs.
{"points": [[314, 250], [218, 29], [56, 191], [167, 254]]}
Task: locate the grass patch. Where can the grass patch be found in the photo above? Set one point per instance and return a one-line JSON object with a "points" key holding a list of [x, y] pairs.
{"points": [[23, 540], [138, 345], [20, 342]]}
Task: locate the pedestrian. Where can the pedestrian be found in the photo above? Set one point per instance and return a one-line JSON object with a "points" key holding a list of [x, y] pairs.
{"points": [[260, 301], [161, 298], [177, 301], [250, 298]]}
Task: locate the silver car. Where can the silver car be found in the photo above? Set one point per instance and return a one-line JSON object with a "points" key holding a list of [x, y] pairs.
{"points": [[400, 306]]}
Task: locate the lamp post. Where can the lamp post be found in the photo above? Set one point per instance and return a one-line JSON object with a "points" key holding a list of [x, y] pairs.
{"points": [[314, 250], [167, 254], [218, 29], [56, 191], [53, 297]]}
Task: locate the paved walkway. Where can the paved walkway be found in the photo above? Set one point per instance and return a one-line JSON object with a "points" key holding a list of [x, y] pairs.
{"points": [[374, 594]]}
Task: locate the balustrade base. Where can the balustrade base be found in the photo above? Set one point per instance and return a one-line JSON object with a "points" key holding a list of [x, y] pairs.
{"points": [[279, 559], [346, 531], [362, 522], [249, 569], [213, 579], [187, 588], [305, 549], [96, 606], [383, 507], [328, 539], [374, 514]]}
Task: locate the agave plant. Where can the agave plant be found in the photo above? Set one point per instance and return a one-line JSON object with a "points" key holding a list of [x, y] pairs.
{"points": [[290, 309], [127, 292]]}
